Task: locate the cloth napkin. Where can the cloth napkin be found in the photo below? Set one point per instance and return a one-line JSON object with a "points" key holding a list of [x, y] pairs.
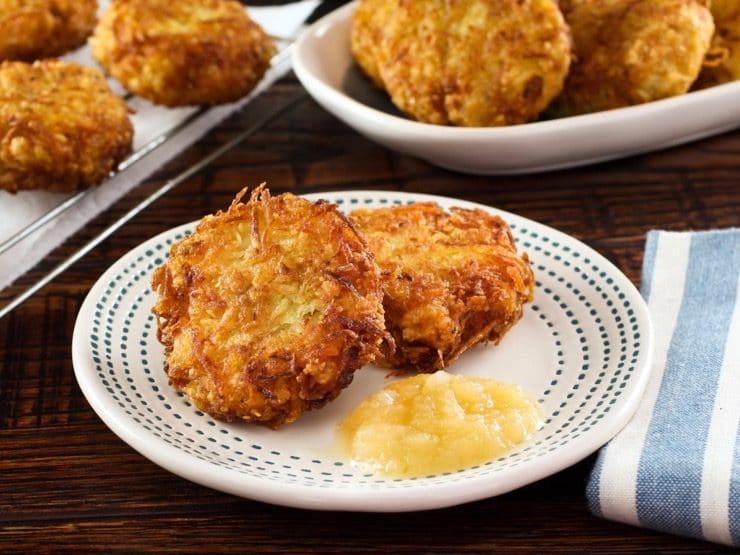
{"points": [[150, 121], [675, 467]]}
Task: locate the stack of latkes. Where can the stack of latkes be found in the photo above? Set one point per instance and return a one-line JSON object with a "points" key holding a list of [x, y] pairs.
{"points": [[269, 308], [502, 62]]}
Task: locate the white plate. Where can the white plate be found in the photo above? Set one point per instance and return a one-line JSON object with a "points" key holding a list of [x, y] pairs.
{"points": [[583, 349], [323, 63]]}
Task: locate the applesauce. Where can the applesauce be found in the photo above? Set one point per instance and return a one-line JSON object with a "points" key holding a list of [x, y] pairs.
{"points": [[433, 423]]}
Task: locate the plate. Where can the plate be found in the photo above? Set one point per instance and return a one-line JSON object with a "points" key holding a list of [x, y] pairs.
{"points": [[582, 349], [323, 63]]}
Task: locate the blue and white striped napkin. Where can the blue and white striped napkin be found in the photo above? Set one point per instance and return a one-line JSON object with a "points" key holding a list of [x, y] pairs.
{"points": [[676, 466]]}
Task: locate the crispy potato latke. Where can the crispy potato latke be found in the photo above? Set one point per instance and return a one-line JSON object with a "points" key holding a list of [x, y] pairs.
{"points": [[476, 63], [722, 63], [267, 310], [31, 29], [632, 51], [183, 52], [61, 127], [368, 29], [451, 280]]}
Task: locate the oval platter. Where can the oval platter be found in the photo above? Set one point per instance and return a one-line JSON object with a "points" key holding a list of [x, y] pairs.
{"points": [[323, 62]]}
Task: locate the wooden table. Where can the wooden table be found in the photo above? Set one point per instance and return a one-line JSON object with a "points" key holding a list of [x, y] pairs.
{"points": [[67, 483]]}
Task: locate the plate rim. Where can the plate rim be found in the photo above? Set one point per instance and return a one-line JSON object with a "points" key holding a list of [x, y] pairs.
{"points": [[351, 499]]}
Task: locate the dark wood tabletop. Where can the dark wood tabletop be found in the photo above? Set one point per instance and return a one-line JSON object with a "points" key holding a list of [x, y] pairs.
{"points": [[67, 483]]}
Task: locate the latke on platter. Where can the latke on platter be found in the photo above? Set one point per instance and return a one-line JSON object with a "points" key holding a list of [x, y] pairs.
{"points": [[632, 51], [61, 127], [185, 52], [478, 63], [722, 63], [368, 29], [267, 309], [451, 280], [32, 29]]}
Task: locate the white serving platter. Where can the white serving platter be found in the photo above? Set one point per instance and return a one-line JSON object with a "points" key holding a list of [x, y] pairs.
{"points": [[323, 63]]}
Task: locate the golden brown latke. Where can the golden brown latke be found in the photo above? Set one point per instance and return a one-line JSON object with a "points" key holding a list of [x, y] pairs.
{"points": [[723, 61], [31, 29], [182, 52], [267, 310], [61, 127], [368, 28], [451, 280], [632, 51], [470, 63]]}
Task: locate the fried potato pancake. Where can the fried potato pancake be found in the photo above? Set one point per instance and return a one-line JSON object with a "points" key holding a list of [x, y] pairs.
{"points": [[180, 53], [368, 28], [450, 281], [267, 309], [722, 64], [31, 29], [468, 63], [61, 127], [632, 51]]}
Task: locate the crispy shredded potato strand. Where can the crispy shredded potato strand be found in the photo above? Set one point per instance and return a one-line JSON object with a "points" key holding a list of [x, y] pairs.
{"points": [[185, 52], [267, 309], [451, 280], [32, 29], [61, 127]]}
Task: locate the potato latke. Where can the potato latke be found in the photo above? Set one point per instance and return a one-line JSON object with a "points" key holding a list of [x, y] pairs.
{"points": [[632, 51], [451, 280], [723, 61], [184, 52], [368, 28], [61, 127], [477, 63], [31, 29], [267, 310]]}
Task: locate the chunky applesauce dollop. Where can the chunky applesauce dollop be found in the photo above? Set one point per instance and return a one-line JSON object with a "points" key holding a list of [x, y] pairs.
{"points": [[432, 423]]}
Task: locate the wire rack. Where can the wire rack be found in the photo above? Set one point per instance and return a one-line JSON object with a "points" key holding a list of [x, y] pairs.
{"points": [[139, 154]]}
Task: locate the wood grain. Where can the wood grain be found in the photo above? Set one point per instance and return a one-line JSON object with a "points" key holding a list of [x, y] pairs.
{"points": [[69, 484]]}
